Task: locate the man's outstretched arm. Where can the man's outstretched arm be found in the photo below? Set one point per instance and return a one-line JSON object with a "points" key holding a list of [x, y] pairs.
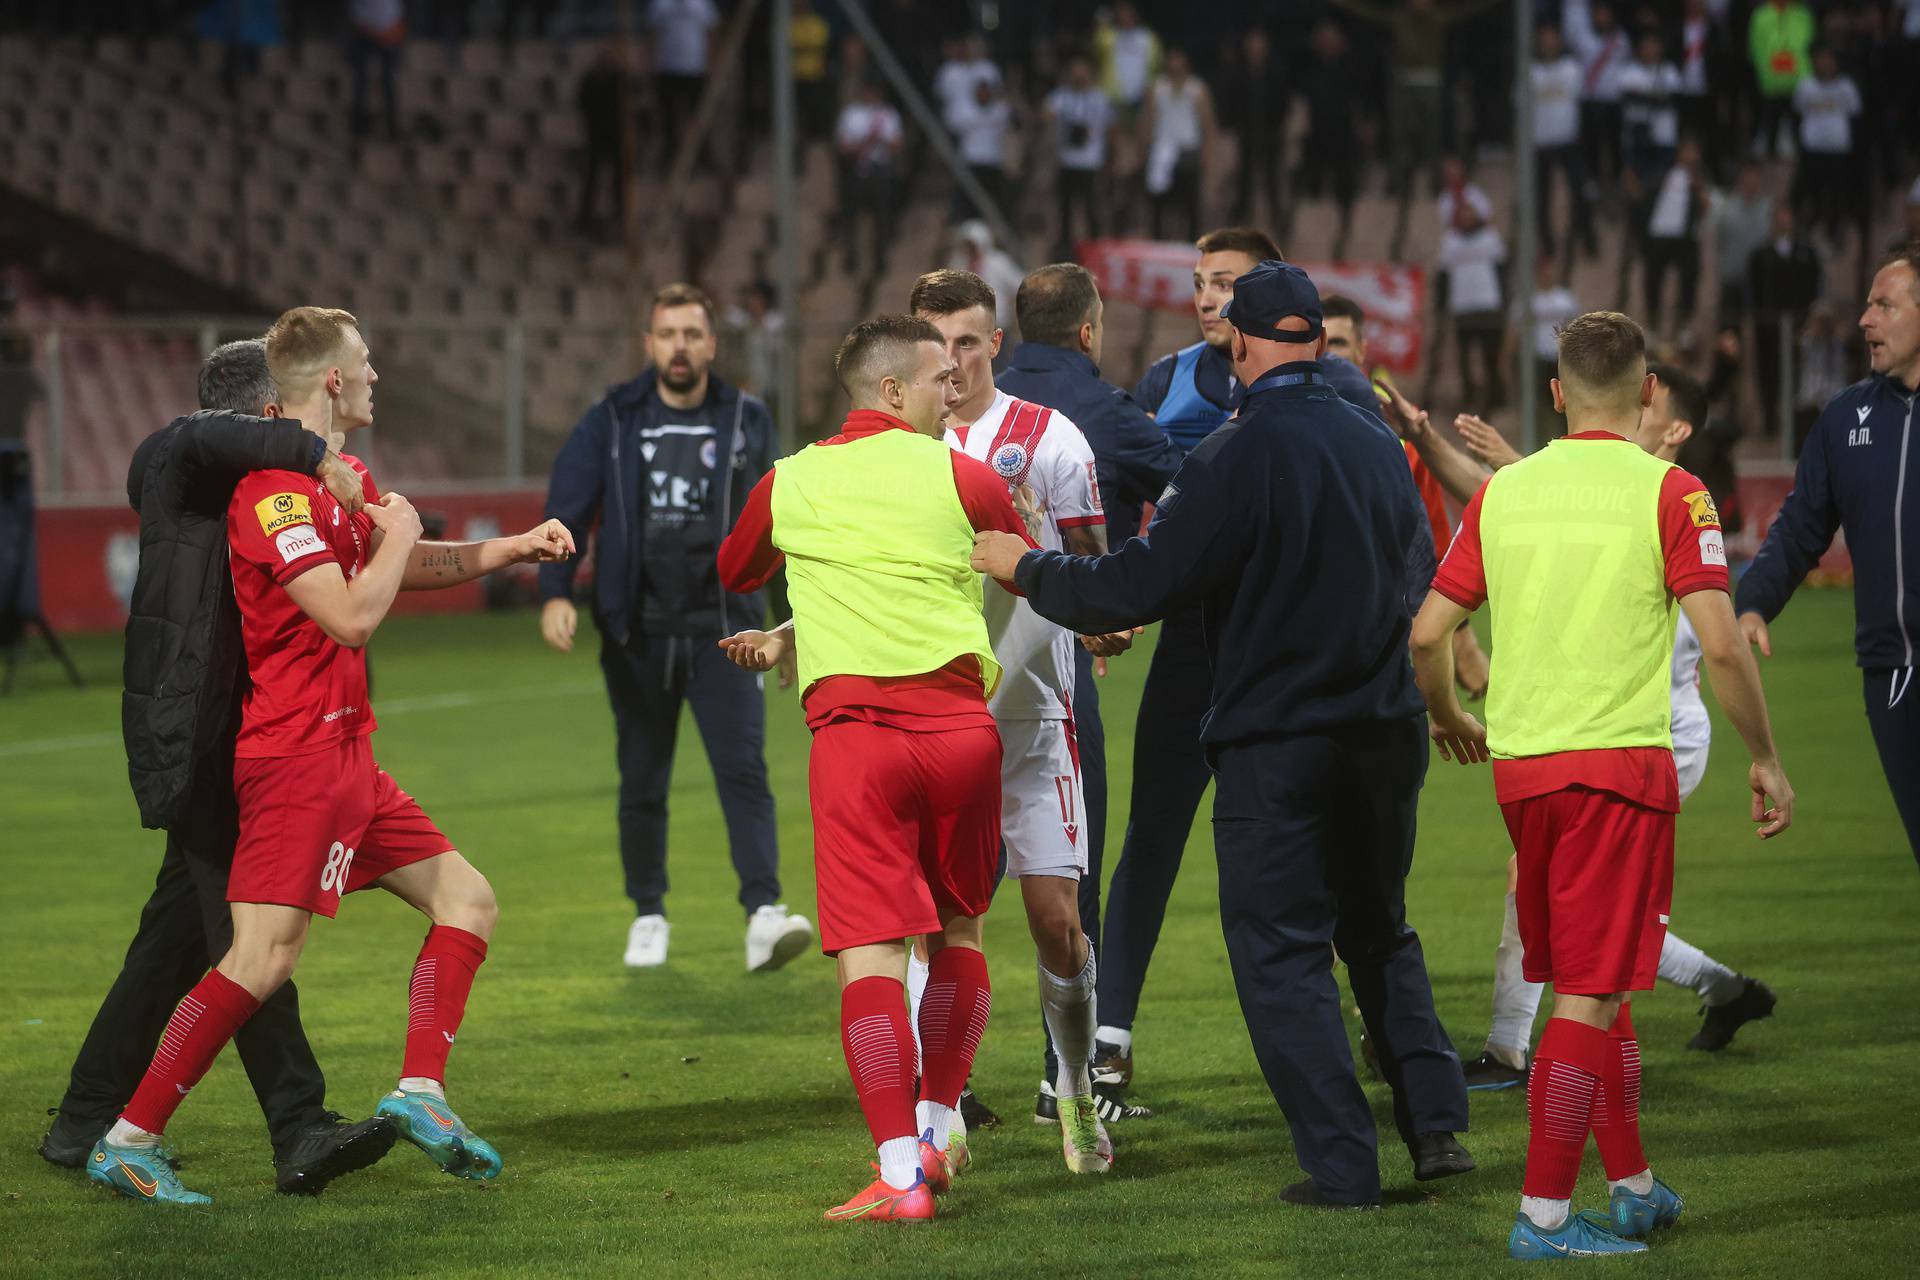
{"points": [[448, 564]]}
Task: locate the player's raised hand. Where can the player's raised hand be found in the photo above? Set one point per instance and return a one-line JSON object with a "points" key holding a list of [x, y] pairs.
{"points": [[997, 554], [342, 481], [754, 650], [1769, 782], [395, 517], [1754, 628], [544, 543], [558, 620], [1463, 740], [1484, 441]]}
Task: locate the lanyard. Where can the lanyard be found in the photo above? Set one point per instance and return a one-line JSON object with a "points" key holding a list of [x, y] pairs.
{"points": [[1269, 382]]}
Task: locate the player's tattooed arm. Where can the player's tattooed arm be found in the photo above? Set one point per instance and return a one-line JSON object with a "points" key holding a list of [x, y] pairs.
{"points": [[447, 564]]}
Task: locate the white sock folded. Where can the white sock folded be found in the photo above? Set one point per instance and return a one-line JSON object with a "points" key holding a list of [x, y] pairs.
{"points": [[941, 1120], [124, 1133], [1640, 1184], [422, 1084], [899, 1162], [1686, 965], [1548, 1215]]}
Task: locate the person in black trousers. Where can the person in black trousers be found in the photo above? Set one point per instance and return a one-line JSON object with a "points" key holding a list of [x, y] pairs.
{"points": [[1290, 527], [664, 463], [180, 731]]}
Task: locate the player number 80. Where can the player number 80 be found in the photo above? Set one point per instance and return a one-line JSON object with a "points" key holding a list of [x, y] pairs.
{"points": [[333, 876]]}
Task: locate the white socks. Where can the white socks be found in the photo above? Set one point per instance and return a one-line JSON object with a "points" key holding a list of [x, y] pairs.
{"points": [[917, 970], [1640, 1184], [1686, 965], [1067, 1004], [1120, 1038], [124, 1134], [421, 1084], [1548, 1215], [941, 1120], [1515, 1000], [899, 1162]]}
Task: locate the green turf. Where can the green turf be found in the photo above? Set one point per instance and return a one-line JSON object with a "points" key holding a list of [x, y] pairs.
{"points": [[695, 1121]]}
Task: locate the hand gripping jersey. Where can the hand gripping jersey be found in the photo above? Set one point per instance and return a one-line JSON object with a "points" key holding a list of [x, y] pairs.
{"points": [[1049, 470]]}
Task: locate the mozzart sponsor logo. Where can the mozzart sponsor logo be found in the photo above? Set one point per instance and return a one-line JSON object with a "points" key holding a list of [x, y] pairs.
{"points": [[282, 510]]}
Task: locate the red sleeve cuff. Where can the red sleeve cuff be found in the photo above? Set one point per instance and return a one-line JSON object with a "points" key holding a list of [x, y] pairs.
{"points": [[1711, 580], [287, 573], [1079, 522], [1465, 599]]}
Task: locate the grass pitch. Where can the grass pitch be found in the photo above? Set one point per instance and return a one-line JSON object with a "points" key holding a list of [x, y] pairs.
{"points": [[697, 1120]]}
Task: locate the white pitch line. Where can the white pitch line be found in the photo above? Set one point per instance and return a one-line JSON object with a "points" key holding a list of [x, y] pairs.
{"points": [[423, 702]]}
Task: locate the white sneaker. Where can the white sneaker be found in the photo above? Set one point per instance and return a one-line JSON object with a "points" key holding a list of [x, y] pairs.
{"points": [[774, 937], [647, 942]]}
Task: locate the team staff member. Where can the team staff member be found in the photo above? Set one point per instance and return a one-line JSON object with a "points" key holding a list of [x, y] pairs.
{"points": [[1581, 551], [665, 462], [1860, 472], [1057, 364], [184, 675], [874, 527], [1289, 528]]}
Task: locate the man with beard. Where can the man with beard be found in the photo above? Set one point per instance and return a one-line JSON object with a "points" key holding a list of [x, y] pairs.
{"points": [[664, 463]]}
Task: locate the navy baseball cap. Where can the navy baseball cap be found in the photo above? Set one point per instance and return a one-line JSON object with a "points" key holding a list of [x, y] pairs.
{"points": [[1269, 294]]}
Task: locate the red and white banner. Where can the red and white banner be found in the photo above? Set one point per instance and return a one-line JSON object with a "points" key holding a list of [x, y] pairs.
{"points": [[89, 556], [1159, 274]]}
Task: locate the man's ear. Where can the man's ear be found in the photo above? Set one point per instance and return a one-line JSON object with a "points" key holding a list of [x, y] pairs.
{"points": [[1559, 397], [1646, 391], [1679, 432], [270, 410], [1086, 336], [993, 350], [335, 381]]}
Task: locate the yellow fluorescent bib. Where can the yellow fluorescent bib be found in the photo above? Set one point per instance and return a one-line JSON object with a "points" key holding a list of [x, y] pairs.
{"points": [[877, 548]]}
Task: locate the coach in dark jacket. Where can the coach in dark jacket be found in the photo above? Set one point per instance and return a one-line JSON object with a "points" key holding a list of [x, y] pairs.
{"points": [[180, 713], [1860, 472], [664, 463], [1289, 528]]}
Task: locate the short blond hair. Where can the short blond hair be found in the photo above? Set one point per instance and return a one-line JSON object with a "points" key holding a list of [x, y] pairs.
{"points": [[304, 342]]}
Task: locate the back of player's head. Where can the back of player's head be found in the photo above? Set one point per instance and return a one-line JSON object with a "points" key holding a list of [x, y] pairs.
{"points": [[1054, 302], [235, 378], [682, 294], [1686, 395], [880, 348], [1252, 241], [1603, 360], [949, 291], [304, 343], [1337, 306]]}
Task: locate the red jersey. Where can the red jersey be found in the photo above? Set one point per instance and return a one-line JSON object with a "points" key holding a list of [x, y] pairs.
{"points": [[953, 697], [308, 691], [1433, 499], [1696, 560]]}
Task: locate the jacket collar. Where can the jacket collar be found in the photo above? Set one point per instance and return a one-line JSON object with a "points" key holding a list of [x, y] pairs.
{"points": [[629, 395], [1040, 357]]}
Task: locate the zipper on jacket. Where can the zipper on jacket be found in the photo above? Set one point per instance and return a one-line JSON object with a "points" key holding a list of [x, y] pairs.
{"points": [[735, 446], [1899, 542], [626, 519]]}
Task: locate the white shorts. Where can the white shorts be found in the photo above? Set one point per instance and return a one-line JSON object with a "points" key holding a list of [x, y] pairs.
{"points": [[1042, 810], [1691, 764]]}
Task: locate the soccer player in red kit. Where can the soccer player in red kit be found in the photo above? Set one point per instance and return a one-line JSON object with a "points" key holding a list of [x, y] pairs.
{"points": [[318, 818], [875, 527], [1583, 551]]}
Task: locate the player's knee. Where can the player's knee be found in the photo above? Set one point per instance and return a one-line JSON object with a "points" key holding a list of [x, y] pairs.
{"points": [[469, 904]]}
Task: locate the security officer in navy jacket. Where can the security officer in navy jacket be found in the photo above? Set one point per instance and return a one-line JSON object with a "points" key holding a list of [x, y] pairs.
{"points": [[665, 462], [1057, 364], [1289, 528], [1860, 471]]}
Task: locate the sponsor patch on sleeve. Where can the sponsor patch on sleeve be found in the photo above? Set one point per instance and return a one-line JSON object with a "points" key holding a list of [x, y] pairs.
{"points": [[283, 510], [301, 541], [1713, 550], [1700, 507], [1093, 487]]}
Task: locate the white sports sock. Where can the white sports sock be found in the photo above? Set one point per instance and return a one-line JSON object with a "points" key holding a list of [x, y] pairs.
{"points": [[1515, 1000], [421, 1084], [899, 1162], [1640, 1183], [1548, 1215], [1686, 965], [917, 970], [1119, 1037], [938, 1119], [1067, 1004], [126, 1134]]}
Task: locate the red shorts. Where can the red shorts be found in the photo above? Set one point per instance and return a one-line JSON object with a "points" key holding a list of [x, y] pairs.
{"points": [[316, 826], [1595, 885], [906, 829]]}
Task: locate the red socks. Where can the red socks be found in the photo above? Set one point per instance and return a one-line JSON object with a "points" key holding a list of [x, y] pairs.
{"points": [[953, 1017], [1568, 1068], [437, 998], [1616, 1111], [879, 1046], [200, 1027]]}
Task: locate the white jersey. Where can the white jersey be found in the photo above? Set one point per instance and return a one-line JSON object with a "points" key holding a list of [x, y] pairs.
{"points": [[1033, 447], [1692, 730]]}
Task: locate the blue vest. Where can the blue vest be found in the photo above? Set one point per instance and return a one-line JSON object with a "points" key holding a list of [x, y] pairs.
{"points": [[1185, 415]]}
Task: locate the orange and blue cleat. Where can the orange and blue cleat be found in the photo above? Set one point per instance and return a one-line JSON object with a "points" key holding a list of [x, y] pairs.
{"points": [[883, 1203]]}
